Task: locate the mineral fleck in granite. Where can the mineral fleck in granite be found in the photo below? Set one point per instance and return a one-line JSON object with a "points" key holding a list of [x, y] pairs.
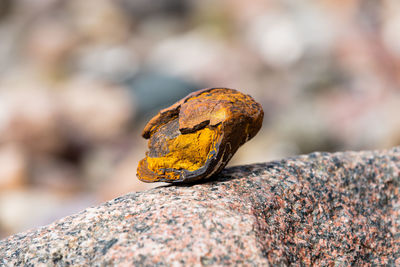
{"points": [[319, 209]]}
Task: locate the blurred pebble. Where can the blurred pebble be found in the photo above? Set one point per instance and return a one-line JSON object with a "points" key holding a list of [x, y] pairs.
{"points": [[55, 175], [277, 39], [391, 34], [29, 117], [13, 171], [5, 8], [113, 63], [99, 21], [21, 208], [49, 42], [122, 180], [143, 9], [155, 90], [24, 209], [98, 165], [95, 111], [171, 55]]}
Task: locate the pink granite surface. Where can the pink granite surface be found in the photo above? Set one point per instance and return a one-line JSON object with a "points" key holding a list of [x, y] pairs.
{"points": [[326, 209]]}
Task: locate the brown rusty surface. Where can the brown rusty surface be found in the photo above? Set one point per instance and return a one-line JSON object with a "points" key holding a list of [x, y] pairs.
{"points": [[197, 136]]}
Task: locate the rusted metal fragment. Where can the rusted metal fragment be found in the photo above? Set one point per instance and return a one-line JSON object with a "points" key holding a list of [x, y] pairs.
{"points": [[197, 136]]}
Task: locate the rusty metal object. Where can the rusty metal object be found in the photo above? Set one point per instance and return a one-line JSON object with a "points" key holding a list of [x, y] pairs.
{"points": [[197, 136]]}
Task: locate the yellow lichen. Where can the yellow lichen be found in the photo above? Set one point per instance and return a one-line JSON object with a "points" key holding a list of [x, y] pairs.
{"points": [[187, 151]]}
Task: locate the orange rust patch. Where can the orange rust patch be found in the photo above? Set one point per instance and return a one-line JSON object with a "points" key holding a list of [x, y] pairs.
{"points": [[187, 151], [196, 137]]}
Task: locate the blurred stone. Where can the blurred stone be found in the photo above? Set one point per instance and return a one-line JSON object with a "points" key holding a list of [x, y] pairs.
{"points": [[6, 7], [392, 123], [24, 209], [189, 55], [203, 56], [140, 9], [98, 165], [99, 21], [55, 175], [349, 116], [9, 36], [265, 147], [113, 63], [154, 90], [123, 178], [50, 43], [303, 131], [391, 35], [95, 111], [29, 7], [156, 29], [277, 39], [13, 170], [28, 116]]}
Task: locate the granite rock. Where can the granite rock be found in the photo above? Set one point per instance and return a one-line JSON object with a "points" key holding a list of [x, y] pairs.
{"points": [[325, 209]]}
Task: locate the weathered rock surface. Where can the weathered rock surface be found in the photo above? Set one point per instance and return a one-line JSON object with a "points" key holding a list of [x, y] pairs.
{"points": [[321, 208]]}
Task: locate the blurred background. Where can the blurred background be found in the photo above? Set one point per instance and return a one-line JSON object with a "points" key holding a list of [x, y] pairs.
{"points": [[79, 79]]}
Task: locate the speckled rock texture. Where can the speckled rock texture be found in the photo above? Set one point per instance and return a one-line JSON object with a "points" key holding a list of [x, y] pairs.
{"points": [[326, 209]]}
